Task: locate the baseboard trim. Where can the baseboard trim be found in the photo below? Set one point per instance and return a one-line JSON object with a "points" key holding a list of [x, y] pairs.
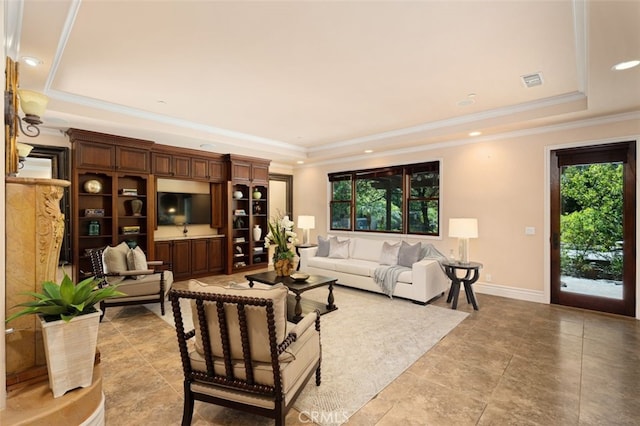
{"points": [[510, 292]]}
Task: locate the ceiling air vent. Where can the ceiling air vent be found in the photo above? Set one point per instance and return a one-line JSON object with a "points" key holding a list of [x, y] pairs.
{"points": [[532, 80]]}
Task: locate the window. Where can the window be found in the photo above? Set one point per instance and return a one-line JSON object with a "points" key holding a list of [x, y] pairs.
{"points": [[399, 199], [341, 202]]}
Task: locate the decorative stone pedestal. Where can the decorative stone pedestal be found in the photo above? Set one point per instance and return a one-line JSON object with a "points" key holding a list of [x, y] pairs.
{"points": [[34, 231]]}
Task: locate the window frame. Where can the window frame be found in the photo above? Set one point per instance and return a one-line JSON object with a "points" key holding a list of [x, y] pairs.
{"points": [[406, 171]]}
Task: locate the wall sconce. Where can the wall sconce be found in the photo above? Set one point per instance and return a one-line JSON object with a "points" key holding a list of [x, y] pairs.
{"points": [[23, 152], [306, 223], [463, 229], [33, 105]]}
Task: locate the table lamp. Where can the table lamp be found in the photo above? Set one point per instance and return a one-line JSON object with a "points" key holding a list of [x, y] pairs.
{"points": [[463, 229], [306, 223]]}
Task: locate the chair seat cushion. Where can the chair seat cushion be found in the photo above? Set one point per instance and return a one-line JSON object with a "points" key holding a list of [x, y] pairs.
{"points": [[146, 285]]}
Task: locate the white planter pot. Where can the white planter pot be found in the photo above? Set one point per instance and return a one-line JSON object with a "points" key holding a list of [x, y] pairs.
{"points": [[70, 349]]}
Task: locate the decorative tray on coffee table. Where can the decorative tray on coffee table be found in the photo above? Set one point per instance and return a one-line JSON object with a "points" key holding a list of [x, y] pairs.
{"points": [[298, 277]]}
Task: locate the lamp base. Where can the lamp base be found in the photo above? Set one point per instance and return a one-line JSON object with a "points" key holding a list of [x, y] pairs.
{"points": [[463, 250]]}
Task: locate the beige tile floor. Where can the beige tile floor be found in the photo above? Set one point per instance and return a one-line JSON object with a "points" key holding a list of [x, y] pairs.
{"points": [[510, 363]]}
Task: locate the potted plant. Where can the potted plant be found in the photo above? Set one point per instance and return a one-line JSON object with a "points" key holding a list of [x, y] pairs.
{"points": [[281, 236], [69, 328]]}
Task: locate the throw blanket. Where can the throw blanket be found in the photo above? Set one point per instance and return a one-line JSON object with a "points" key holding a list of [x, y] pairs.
{"points": [[387, 277]]}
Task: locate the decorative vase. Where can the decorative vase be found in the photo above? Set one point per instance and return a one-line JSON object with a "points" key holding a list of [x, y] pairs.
{"points": [[70, 349], [257, 195], [283, 267], [136, 207], [257, 233], [93, 186], [237, 195]]}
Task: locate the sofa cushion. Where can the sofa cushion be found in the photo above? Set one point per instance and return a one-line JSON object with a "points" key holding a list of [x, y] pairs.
{"points": [[258, 338], [389, 254], [355, 266], [408, 254], [365, 249], [338, 249], [406, 277], [322, 263]]}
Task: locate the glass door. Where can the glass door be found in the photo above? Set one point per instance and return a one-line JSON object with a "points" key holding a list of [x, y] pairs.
{"points": [[593, 228]]}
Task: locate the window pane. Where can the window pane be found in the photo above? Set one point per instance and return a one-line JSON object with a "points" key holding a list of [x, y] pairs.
{"points": [[423, 217], [379, 204], [341, 190], [425, 184], [341, 215]]}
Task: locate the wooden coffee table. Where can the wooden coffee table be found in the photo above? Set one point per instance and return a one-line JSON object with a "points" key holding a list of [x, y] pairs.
{"points": [[300, 305]]}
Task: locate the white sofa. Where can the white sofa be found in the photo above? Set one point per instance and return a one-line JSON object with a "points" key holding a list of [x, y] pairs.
{"points": [[425, 281]]}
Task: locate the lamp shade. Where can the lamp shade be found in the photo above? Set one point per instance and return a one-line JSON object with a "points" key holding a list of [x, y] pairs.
{"points": [[32, 103], [23, 149], [306, 222], [463, 227]]}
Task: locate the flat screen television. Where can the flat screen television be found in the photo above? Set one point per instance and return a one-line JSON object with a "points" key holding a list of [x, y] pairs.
{"points": [[178, 208]]}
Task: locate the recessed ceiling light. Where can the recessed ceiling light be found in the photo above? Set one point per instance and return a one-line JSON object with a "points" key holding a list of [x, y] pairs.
{"points": [[32, 61], [207, 146], [476, 133], [368, 151], [626, 65], [300, 162]]}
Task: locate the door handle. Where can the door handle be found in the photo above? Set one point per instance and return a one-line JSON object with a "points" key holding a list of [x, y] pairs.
{"points": [[555, 241]]}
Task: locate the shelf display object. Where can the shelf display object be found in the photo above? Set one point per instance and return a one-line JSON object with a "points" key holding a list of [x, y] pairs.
{"points": [[109, 208], [248, 226]]}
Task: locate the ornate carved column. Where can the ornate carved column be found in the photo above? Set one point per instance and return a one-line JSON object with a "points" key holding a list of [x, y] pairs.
{"points": [[34, 232]]}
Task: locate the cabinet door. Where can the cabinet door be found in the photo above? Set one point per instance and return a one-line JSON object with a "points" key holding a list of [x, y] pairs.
{"points": [[260, 173], [241, 171], [199, 169], [216, 171], [181, 259], [95, 156], [199, 254], [163, 251], [132, 159], [161, 164], [216, 254], [181, 167]]}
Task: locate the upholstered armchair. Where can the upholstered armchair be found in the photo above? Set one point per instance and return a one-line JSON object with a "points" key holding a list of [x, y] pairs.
{"points": [[141, 281], [242, 352]]}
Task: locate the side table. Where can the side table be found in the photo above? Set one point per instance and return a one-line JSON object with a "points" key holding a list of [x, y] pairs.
{"points": [[472, 273], [298, 247]]}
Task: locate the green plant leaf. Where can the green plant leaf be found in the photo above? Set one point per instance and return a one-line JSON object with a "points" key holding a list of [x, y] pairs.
{"points": [[51, 290], [67, 290]]}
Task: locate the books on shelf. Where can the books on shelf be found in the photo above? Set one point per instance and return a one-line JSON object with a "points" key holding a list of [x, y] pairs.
{"points": [[129, 191], [239, 240], [239, 212]]}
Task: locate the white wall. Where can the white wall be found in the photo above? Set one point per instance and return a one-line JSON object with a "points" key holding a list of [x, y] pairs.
{"points": [[500, 181]]}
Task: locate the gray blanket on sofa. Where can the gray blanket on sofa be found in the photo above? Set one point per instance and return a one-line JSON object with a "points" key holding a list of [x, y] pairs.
{"points": [[387, 277]]}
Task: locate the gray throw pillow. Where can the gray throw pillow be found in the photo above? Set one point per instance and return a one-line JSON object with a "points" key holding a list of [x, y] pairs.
{"points": [[323, 247], [409, 254]]}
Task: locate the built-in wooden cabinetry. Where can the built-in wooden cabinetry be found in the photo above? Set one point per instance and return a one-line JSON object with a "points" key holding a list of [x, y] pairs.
{"points": [[124, 209], [247, 193], [110, 179], [192, 257]]}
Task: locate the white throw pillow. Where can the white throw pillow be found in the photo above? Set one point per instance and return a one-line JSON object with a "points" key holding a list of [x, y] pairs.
{"points": [[389, 255], [137, 261], [114, 260], [338, 249]]}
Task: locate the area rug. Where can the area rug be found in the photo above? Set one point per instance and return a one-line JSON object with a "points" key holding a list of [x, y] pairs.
{"points": [[366, 344]]}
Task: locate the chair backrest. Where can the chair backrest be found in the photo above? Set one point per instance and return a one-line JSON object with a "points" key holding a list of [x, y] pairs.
{"points": [[95, 256], [235, 333]]}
